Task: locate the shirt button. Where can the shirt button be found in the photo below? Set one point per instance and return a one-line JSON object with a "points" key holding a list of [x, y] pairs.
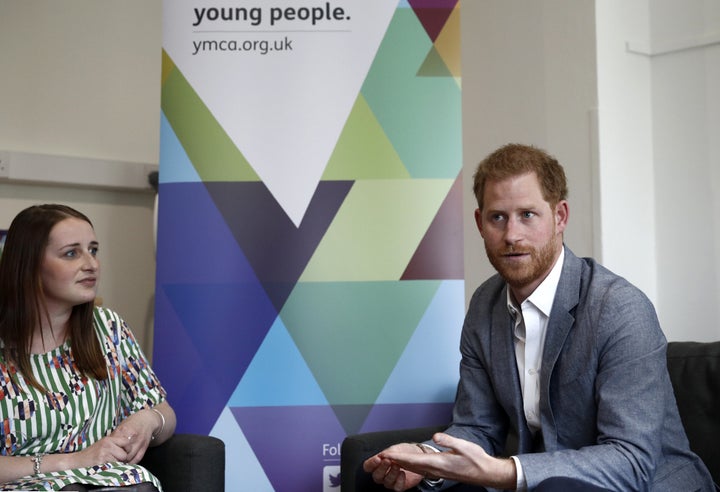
{"points": [[532, 372]]}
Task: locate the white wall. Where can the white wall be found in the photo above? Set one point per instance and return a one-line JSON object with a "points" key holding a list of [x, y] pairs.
{"points": [[82, 79], [686, 148], [659, 155], [625, 143]]}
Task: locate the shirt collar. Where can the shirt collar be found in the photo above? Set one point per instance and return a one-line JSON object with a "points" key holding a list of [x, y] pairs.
{"points": [[544, 295]]}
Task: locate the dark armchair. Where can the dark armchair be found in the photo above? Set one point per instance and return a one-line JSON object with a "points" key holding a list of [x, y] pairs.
{"points": [[188, 463], [694, 370]]}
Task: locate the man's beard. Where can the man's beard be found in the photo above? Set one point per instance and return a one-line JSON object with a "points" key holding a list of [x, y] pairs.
{"points": [[521, 275]]}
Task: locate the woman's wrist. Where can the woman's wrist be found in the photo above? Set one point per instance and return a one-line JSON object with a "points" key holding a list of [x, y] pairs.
{"points": [[48, 463], [161, 423]]}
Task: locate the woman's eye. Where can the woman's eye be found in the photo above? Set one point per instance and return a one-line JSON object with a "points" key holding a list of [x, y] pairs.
{"points": [[70, 254], [94, 251]]}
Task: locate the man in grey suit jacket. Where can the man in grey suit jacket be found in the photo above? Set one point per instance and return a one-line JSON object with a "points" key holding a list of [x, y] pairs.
{"points": [[557, 348]]}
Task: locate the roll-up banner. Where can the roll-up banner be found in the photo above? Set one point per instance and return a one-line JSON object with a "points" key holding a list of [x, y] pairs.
{"points": [[310, 251]]}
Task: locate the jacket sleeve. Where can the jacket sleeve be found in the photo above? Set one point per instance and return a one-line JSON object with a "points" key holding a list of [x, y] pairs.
{"points": [[478, 416]]}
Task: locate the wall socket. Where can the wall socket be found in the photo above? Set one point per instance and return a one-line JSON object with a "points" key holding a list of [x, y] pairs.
{"points": [[4, 164]]}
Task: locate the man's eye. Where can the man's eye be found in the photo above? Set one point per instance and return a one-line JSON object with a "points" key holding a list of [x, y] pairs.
{"points": [[528, 215]]}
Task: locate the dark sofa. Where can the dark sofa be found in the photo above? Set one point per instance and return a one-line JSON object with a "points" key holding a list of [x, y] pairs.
{"points": [[188, 463], [694, 369]]}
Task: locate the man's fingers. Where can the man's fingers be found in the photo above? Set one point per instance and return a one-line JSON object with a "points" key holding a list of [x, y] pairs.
{"points": [[458, 446], [391, 477], [380, 471], [371, 463], [448, 441]]}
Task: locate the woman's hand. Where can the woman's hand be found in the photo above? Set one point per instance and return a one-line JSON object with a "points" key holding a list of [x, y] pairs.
{"points": [[110, 448], [135, 433], [126, 444]]}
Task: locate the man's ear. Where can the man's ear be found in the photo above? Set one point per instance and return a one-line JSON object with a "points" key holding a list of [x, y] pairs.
{"points": [[562, 214], [478, 220]]}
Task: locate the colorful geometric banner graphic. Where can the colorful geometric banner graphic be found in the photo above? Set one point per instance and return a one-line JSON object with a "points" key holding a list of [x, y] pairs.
{"points": [[310, 250]]}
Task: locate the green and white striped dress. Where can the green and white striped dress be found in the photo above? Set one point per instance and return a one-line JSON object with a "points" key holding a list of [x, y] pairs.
{"points": [[77, 411]]}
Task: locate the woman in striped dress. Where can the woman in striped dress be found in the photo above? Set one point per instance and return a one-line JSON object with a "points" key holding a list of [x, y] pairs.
{"points": [[79, 403]]}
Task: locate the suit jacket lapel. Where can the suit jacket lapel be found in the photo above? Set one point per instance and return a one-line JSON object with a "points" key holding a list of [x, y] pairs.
{"points": [[559, 325]]}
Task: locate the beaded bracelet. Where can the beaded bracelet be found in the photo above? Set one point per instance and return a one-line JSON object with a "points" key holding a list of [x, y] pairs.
{"points": [[162, 426], [37, 460]]}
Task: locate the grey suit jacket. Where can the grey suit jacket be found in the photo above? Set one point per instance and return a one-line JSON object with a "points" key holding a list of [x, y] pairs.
{"points": [[608, 411]]}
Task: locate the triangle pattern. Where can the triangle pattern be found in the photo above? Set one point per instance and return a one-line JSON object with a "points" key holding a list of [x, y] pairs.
{"points": [[277, 250], [437, 332], [377, 230], [363, 150], [167, 66], [181, 369], [433, 14], [187, 216], [268, 114], [448, 43], [288, 441], [340, 326], [189, 367], [278, 375], [212, 152], [421, 116], [434, 65], [440, 253], [227, 349], [171, 149], [352, 417], [340, 354], [241, 464]]}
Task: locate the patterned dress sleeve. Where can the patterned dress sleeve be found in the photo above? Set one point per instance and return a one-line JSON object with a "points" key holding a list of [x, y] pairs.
{"points": [[140, 387]]}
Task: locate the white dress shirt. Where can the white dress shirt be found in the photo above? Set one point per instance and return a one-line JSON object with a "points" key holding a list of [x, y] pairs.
{"points": [[531, 320]]}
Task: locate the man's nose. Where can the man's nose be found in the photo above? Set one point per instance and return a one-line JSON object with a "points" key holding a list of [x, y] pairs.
{"points": [[513, 231]]}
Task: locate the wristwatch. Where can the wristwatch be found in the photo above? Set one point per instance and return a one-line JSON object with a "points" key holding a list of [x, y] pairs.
{"points": [[430, 482], [433, 483]]}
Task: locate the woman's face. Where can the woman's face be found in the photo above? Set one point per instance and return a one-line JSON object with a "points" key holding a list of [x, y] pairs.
{"points": [[70, 269]]}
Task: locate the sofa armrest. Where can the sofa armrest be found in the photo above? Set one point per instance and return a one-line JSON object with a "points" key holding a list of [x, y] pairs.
{"points": [[359, 447], [188, 463]]}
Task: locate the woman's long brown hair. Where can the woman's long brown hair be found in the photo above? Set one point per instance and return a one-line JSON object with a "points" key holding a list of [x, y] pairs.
{"points": [[22, 299]]}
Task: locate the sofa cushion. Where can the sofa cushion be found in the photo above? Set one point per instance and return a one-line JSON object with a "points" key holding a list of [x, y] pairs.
{"points": [[694, 370]]}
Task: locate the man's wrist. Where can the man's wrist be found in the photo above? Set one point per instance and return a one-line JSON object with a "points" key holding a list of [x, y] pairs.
{"points": [[432, 482], [520, 482]]}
